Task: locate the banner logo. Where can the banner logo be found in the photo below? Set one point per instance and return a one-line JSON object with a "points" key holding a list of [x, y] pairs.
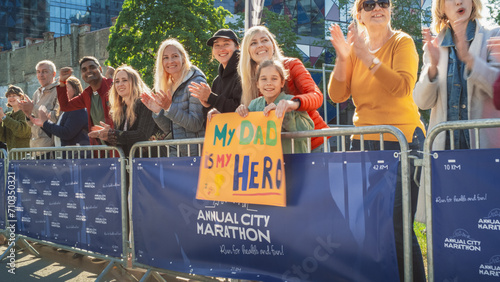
{"points": [[101, 219], [111, 209], [89, 184], [461, 240], [71, 205], [491, 268], [491, 222], [62, 193], [63, 214], [55, 182]]}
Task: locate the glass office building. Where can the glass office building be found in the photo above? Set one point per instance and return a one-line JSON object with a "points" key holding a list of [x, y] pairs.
{"points": [[31, 18]]}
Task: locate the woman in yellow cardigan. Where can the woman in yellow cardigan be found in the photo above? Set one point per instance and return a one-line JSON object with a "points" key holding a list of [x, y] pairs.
{"points": [[377, 66]]}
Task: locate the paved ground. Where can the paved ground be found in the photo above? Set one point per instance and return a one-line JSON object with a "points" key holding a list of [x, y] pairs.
{"points": [[54, 266]]}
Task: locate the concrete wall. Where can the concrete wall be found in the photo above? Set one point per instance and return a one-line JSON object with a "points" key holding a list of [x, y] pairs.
{"points": [[18, 66]]}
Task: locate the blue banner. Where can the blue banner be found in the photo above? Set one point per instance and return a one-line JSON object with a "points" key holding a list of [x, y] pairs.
{"points": [[75, 203], [466, 215], [337, 225]]}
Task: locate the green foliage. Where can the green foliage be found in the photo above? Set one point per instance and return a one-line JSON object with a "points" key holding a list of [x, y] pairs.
{"points": [[494, 8], [142, 25], [408, 16], [421, 233], [284, 29], [281, 26]]}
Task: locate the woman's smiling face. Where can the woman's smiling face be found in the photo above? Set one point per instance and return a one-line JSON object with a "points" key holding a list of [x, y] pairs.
{"points": [[261, 47]]}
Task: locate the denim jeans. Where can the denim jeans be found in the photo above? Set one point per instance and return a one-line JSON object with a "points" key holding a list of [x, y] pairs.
{"points": [[415, 145]]}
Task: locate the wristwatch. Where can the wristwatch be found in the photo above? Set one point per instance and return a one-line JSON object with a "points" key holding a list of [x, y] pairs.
{"points": [[375, 62]]}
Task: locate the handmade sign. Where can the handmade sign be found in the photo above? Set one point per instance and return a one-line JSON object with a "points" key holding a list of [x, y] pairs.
{"points": [[242, 160]]}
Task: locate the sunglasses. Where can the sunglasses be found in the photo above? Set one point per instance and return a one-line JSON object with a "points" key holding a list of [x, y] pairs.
{"points": [[370, 4]]}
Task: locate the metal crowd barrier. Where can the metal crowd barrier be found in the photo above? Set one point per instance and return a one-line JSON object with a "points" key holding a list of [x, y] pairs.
{"points": [[35, 155], [3, 193], [450, 126], [140, 147]]}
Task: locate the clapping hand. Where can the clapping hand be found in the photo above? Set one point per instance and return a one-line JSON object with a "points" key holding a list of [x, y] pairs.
{"points": [[150, 103], [494, 47], [163, 99], [432, 45], [100, 132], [341, 45], [201, 91], [26, 106], [461, 44]]}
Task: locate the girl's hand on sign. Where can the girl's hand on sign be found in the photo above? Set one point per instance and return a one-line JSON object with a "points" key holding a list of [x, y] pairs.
{"points": [[269, 108], [242, 110]]}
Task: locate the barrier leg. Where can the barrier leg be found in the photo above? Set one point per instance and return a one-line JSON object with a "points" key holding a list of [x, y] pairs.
{"points": [[110, 266], [30, 248], [8, 250], [105, 271], [146, 275], [158, 277]]}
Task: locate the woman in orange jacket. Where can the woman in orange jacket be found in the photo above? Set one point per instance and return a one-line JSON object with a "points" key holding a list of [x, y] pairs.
{"points": [[259, 45]]}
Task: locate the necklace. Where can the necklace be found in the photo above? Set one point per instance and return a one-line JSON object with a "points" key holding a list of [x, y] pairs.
{"points": [[390, 34]]}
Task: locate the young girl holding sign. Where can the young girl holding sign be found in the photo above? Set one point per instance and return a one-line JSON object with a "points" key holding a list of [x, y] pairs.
{"points": [[271, 77]]}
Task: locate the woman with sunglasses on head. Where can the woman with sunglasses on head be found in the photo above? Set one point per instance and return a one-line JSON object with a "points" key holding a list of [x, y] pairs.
{"points": [[377, 66], [458, 73]]}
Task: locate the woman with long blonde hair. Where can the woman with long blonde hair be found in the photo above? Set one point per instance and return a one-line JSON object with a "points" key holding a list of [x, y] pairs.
{"points": [[132, 120], [259, 45], [175, 111]]}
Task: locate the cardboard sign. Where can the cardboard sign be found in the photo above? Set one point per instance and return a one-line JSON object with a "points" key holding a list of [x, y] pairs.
{"points": [[242, 160]]}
